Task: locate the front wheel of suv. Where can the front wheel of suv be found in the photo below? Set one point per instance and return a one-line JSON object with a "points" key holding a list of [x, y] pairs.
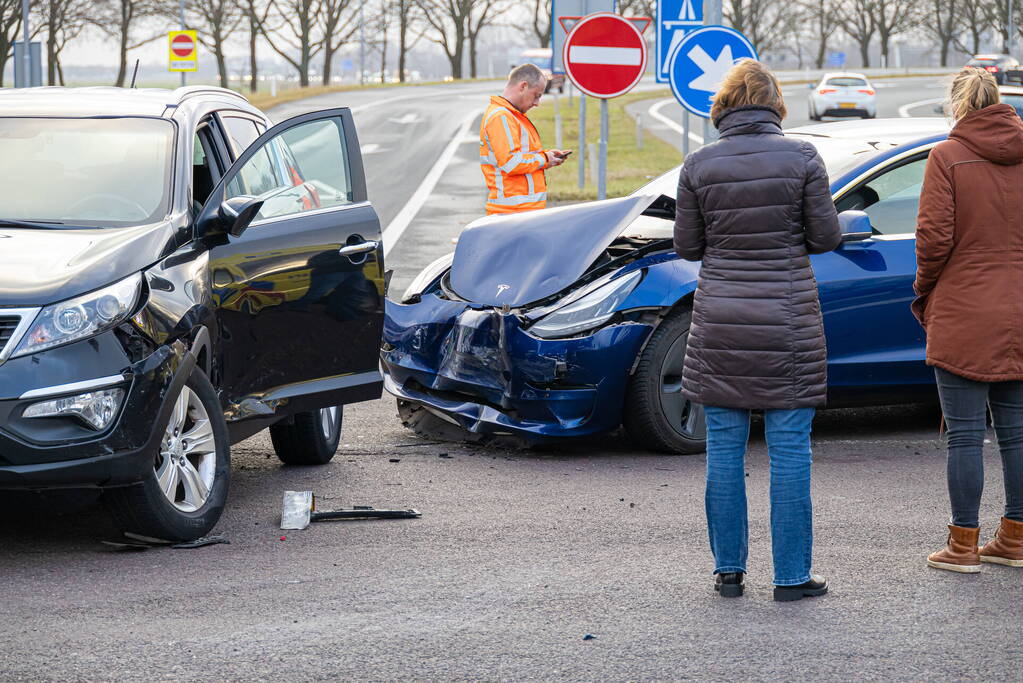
{"points": [[311, 438], [183, 495]]}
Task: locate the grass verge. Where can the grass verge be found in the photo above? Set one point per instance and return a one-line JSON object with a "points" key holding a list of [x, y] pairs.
{"points": [[628, 167]]}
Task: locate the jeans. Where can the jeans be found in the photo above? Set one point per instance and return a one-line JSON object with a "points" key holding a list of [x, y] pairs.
{"points": [[964, 404], [788, 444]]}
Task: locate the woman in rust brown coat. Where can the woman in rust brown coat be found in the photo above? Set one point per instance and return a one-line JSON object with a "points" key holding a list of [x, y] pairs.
{"points": [[969, 274]]}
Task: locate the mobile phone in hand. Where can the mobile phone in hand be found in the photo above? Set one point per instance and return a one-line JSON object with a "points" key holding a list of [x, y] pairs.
{"points": [[565, 154]]}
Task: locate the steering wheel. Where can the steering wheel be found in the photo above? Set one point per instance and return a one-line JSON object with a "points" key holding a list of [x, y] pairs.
{"points": [[107, 197]]}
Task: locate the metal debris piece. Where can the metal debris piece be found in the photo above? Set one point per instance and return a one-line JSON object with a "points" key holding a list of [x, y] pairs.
{"points": [[300, 510], [202, 542]]}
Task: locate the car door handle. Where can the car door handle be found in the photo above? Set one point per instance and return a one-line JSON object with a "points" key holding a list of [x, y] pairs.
{"points": [[351, 250]]}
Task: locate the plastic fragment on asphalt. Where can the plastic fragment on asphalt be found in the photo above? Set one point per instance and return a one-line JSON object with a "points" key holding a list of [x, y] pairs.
{"points": [[284, 538], [589, 636], [394, 460], [444, 455], [201, 542]]}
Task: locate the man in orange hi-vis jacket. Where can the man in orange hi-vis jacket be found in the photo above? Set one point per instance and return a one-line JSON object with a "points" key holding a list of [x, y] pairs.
{"points": [[512, 159]]}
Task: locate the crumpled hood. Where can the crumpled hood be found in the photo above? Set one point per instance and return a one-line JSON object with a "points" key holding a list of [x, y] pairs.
{"points": [[39, 267], [995, 133], [520, 258]]}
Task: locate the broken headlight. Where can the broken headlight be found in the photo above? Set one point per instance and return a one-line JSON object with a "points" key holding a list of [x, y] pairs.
{"points": [[82, 317], [588, 311], [427, 276]]}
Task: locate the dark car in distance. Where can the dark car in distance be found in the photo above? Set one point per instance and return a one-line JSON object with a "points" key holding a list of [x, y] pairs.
{"points": [[996, 65], [176, 275]]}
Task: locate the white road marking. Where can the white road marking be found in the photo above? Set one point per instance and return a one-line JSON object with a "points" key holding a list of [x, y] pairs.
{"points": [[407, 119], [655, 111], [904, 109], [396, 228], [610, 56]]}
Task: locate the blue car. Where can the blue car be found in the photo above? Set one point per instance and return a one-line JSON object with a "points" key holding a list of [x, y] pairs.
{"points": [[573, 321]]}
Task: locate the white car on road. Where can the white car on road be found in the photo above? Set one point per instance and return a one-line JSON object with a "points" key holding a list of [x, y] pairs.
{"points": [[843, 94]]}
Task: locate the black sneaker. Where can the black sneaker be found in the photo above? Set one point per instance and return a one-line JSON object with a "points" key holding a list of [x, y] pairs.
{"points": [[729, 584], [817, 585]]}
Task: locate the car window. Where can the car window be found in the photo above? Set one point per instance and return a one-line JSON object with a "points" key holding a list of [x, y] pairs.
{"points": [[890, 199], [305, 168], [97, 172], [846, 82], [1014, 101], [241, 131]]}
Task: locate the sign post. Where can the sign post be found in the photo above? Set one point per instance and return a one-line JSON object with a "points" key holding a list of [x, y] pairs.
{"points": [[182, 52], [605, 57], [700, 62]]}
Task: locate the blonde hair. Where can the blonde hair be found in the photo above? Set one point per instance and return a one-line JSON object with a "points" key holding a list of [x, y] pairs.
{"points": [[971, 89], [748, 83]]}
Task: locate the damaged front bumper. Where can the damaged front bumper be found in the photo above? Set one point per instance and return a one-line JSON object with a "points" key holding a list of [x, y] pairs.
{"points": [[478, 367]]}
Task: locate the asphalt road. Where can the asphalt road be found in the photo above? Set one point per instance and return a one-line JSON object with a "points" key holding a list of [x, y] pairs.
{"points": [[519, 554]]}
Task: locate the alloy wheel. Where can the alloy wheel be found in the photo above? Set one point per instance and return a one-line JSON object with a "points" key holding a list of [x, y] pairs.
{"points": [[329, 421], [186, 466], [684, 416]]}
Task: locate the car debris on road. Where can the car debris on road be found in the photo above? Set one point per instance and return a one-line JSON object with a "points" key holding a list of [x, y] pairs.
{"points": [[300, 510]]}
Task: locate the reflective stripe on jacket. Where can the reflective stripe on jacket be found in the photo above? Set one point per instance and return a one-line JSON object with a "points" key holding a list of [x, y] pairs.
{"points": [[512, 160]]}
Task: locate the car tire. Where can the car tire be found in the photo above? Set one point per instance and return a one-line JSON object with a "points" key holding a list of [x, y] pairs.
{"points": [[654, 394], [183, 494], [310, 438], [813, 114]]}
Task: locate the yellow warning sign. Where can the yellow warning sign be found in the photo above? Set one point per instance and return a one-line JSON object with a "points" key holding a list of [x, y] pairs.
{"points": [[182, 47]]}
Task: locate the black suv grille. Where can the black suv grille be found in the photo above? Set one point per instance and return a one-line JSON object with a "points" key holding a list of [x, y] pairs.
{"points": [[8, 323]]}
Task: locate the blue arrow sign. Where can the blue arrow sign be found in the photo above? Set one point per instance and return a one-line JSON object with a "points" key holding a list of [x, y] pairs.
{"points": [[701, 60], [675, 18]]}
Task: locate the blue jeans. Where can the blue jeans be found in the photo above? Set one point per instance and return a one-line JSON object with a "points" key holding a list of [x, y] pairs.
{"points": [[964, 404], [788, 444]]}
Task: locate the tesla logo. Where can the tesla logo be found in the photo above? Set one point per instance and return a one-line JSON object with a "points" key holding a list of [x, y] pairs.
{"points": [[501, 288]]}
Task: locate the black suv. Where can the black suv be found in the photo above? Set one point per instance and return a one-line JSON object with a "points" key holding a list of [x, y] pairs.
{"points": [[175, 276]]}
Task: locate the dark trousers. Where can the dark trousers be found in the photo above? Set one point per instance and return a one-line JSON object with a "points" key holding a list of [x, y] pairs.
{"points": [[964, 404]]}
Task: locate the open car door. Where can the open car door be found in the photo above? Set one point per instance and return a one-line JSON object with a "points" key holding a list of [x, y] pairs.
{"points": [[297, 273]]}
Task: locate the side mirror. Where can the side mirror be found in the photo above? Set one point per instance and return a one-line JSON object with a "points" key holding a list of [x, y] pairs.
{"points": [[233, 216], [855, 226]]}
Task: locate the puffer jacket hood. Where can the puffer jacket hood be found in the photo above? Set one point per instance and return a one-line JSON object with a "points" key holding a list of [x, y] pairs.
{"points": [[994, 133]]}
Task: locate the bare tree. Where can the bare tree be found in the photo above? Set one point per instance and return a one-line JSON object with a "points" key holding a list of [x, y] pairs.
{"points": [[484, 13], [256, 13], [119, 19], [972, 18], [215, 21], [892, 17], [859, 23], [823, 18], [996, 14], [762, 21], [408, 15], [941, 22], [380, 25], [447, 21], [10, 28], [63, 21], [338, 25], [300, 19], [540, 22]]}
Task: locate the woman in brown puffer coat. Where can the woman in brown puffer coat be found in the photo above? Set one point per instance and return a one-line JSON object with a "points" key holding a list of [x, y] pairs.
{"points": [[752, 207], [969, 251]]}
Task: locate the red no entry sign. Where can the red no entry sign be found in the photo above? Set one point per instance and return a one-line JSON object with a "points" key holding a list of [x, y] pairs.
{"points": [[182, 45], [605, 55]]}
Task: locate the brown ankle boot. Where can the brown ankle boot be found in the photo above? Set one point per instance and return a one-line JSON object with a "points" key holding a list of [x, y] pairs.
{"points": [[960, 555], [1007, 545]]}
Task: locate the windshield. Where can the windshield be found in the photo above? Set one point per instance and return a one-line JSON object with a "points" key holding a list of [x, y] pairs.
{"points": [[839, 155], [846, 82], [85, 172]]}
